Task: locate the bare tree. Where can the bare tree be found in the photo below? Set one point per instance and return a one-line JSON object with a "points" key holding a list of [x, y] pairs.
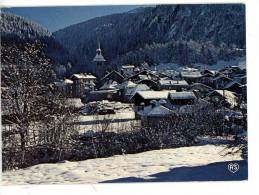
{"points": [[41, 117]]}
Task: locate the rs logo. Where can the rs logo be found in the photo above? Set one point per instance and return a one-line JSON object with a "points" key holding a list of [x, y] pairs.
{"points": [[233, 167]]}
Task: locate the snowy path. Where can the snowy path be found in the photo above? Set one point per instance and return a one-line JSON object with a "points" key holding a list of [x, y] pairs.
{"points": [[180, 164]]}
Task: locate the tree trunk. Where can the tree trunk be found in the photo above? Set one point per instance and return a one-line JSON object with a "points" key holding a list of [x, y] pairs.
{"points": [[22, 135]]}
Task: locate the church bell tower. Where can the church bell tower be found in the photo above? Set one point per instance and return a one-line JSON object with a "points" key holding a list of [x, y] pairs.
{"points": [[99, 60]]}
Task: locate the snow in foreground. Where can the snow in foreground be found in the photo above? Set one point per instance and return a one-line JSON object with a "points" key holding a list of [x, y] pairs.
{"points": [[196, 163]]}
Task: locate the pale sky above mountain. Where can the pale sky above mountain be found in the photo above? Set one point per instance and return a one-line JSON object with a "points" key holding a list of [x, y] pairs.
{"points": [[55, 18]]}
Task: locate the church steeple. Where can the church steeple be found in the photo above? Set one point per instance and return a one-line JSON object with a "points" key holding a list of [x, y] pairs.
{"points": [[99, 59]]}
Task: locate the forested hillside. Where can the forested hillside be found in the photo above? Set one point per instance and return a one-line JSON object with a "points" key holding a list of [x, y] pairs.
{"points": [[167, 33], [18, 33]]}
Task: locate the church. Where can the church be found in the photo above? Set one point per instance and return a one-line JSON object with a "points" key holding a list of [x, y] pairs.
{"points": [[99, 62]]}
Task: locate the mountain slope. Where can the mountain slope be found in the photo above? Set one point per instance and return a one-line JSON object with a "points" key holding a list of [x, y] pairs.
{"points": [[196, 33], [16, 31]]}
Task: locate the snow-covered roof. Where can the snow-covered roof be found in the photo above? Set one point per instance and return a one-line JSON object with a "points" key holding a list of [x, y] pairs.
{"points": [[158, 110], [211, 72], [113, 72], [229, 96], [138, 87], [145, 74], [208, 75], [230, 84], [172, 82], [221, 77], [197, 85], [154, 94], [182, 95], [127, 84], [127, 66], [68, 81], [143, 77], [104, 91], [191, 74], [226, 93], [84, 76], [109, 85]]}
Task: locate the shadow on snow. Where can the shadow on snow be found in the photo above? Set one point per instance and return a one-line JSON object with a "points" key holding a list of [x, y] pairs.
{"points": [[212, 172]]}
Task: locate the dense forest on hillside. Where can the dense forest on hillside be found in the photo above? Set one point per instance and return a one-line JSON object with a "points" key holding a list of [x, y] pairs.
{"points": [[18, 32], [167, 33]]}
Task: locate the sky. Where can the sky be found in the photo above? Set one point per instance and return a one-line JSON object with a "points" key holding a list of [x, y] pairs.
{"points": [[55, 18]]}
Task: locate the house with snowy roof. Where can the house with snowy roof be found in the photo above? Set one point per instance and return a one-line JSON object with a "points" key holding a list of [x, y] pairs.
{"points": [[242, 80], [190, 75], [126, 84], [178, 85], [105, 94], [201, 90], [82, 83], [233, 71], [155, 110], [182, 98], [65, 87], [223, 98], [113, 76], [207, 79], [220, 81], [147, 96], [234, 87], [127, 70], [144, 75], [129, 92], [109, 85]]}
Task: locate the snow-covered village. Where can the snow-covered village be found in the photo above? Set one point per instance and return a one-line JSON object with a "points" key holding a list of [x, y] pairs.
{"points": [[97, 106]]}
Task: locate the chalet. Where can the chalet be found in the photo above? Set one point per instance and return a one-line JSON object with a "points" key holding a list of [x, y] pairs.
{"points": [[111, 77], [182, 98], [127, 70], [167, 75], [201, 90], [99, 95], [82, 83], [233, 72], [234, 87], [126, 85], [65, 86], [144, 75], [206, 71], [149, 82], [109, 85], [237, 72], [207, 79], [178, 85], [147, 96], [222, 97], [190, 75], [155, 110], [221, 81], [242, 80], [131, 91]]}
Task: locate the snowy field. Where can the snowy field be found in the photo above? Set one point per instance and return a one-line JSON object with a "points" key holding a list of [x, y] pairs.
{"points": [[196, 163]]}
